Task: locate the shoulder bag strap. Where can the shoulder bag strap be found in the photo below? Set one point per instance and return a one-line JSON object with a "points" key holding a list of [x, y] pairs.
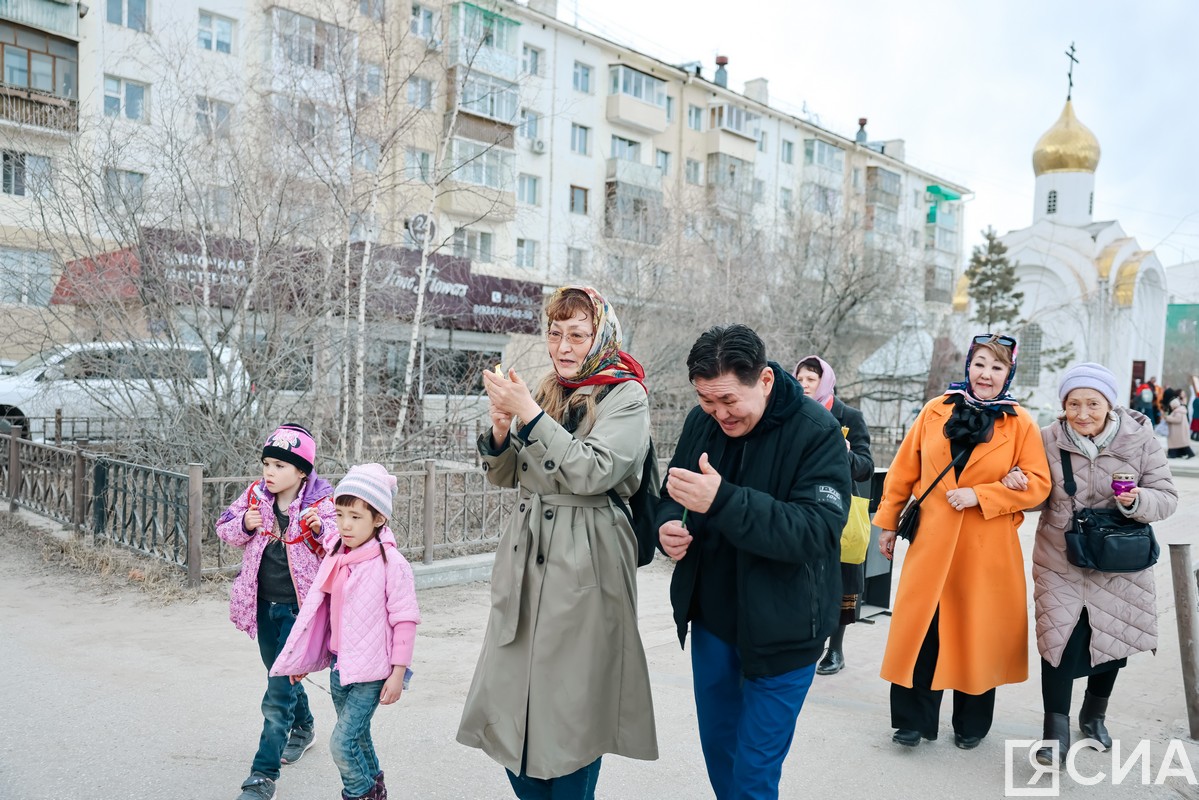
{"points": [[939, 477], [1068, 474]]}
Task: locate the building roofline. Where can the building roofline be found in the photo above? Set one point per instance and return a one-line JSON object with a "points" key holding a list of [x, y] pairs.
{"points": [[687, 77]]}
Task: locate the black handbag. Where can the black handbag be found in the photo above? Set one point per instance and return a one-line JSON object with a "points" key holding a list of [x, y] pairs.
{"points": [[1103, 539], [909, 520]]}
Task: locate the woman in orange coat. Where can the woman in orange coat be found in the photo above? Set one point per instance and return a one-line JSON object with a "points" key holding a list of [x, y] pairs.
{"points": [[961, 612]]}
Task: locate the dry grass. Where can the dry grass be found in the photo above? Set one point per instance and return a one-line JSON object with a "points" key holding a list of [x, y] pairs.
{"points": [[112, 567]]}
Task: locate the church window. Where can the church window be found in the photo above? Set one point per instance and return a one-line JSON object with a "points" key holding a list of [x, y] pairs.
{"points": [[1051, 205], [1091, 207], [1030, 338]]}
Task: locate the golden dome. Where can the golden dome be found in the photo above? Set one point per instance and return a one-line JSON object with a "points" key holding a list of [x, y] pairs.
{"points": [[961, 294], [1069, 146]]}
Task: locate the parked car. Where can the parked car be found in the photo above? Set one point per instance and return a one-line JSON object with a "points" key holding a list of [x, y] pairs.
{"points": [[126, 380]]}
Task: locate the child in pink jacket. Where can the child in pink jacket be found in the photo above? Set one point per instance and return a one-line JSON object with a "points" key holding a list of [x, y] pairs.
{"points": [[280, 522], [359, 617]]}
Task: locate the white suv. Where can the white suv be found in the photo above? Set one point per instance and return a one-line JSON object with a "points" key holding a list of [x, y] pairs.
{"points": [[122, 380]]}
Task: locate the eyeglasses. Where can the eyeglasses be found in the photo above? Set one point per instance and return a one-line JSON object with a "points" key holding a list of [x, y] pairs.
{"points": [[575, 338], [987, 338]]}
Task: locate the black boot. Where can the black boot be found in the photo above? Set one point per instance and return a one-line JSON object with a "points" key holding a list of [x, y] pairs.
{"points": [[834, 659], [1057, 728], [1091, 717]]}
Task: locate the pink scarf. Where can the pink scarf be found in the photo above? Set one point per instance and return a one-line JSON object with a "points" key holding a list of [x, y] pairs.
{"points": [[828, 379], [334, 583]]}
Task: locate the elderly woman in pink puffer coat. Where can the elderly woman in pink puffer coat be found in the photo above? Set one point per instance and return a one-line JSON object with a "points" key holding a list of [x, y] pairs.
{"points": [[1089, 622]]}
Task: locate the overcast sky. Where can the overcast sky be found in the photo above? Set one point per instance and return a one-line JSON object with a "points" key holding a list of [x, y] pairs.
{"points": [[969, 85]]}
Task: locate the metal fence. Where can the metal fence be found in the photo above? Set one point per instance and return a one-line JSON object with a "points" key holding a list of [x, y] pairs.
{"points": [[439, 510]]}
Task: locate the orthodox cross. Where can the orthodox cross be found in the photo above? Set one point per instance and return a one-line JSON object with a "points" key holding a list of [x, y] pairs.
{"points": [[1070, 74]]}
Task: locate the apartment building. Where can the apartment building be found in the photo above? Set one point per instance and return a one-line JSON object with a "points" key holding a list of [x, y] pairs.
{"points": [[490, 133]]}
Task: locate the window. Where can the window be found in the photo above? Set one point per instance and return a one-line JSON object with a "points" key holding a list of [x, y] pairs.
{"points": [[40, 62], [1091, 204], [759, 190], [481, 164], [527, 189], [129, 13], [530, 60], [1051, 205], [483, 28], [417, 165], [212, 117], [309, 42], [420, 93], [370, 81], [578, 200], [1031, 344], [695, 118], [883, 187], [526, 253], [422, 21], [367, 153], [24, 174], [575, 259], [824, 199], [785, 201], [694, 170], [885, 221], [123, 189], [626, 149], [787, 151], [530, 124], [580, 139], [662, 161], [25, 276], [762, 142], [647, 88], [823, 154], [489, 97], [216, 33], [364, 227], [734, 118], [669, 109], [127, 97], [372, 9], [472, 244], [917, 196], [582, 78]]}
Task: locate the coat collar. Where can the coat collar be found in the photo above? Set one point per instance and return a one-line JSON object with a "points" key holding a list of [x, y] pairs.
{"points": [[1001, 432]]}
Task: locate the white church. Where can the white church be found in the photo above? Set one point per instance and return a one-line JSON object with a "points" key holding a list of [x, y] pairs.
{"points": [[1085, 282]]}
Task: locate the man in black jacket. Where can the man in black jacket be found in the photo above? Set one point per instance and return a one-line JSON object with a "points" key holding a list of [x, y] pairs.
{"points": [[755, 500]]}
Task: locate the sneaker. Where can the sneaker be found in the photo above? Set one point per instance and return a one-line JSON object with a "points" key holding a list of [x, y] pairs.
{"points": [[297, 744], [257, 787]]}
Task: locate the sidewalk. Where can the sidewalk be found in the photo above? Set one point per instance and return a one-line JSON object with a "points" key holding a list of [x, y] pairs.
{"points": [[109, 695]]}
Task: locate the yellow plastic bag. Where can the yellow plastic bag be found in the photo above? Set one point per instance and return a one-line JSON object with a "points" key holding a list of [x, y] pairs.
{"points": [[856, 536]]}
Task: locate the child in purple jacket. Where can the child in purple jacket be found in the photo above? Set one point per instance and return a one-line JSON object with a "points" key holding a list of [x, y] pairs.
{"points": [[280, 521], [360, 617]]}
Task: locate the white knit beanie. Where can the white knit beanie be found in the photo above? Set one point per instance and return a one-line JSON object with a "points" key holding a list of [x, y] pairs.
{"points": [[1090, 375], [371, 483]]}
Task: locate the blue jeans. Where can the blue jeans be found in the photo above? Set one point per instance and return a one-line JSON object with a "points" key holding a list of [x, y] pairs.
{"points": [[745, 724], [351, 745], [284, 705], [578, 785]]}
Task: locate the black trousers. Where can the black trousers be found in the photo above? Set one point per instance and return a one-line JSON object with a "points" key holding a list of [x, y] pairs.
{"points": [[919, 708], [1057, 683]]}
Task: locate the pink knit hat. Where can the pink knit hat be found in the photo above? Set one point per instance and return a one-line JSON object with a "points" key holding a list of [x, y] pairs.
{"points": [[371, 483], [292, 444]]}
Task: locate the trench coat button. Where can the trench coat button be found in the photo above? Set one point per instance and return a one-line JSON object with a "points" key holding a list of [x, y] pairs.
{"points": [[515, 547], [522, 506], [540, 558], [486, 466], [524, 467], [549, 514], [549, 465]]}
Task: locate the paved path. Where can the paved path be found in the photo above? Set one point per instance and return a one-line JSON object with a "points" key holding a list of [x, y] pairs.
{"points": [[111, 695]]}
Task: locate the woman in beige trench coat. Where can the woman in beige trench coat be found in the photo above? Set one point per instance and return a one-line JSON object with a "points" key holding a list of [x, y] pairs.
{"points": [[562, 678]]}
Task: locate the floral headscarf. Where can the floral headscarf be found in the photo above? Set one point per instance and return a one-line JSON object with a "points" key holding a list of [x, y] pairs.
{"points": [[605, 362], [828, 379]]}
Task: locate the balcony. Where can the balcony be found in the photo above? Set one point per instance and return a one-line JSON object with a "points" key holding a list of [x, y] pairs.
{"points": [[45, 15], [632, 173], [38, 109], [471, 201], [722, 140], [637, 114]]}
